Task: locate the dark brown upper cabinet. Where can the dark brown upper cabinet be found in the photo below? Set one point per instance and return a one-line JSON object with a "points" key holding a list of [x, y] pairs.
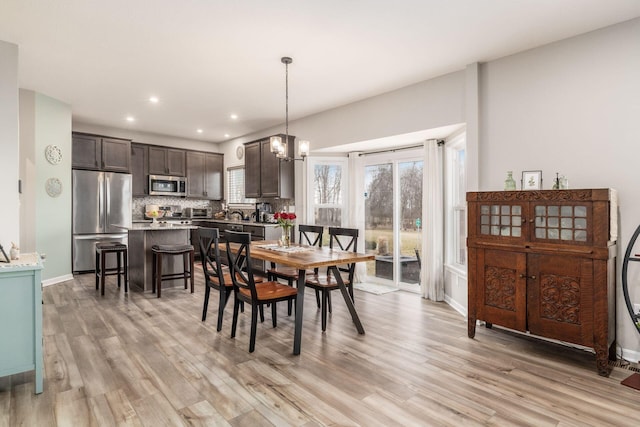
{"points": [[166, 161], [205, 175], [96, 152], [265, 174], [140, 169]]}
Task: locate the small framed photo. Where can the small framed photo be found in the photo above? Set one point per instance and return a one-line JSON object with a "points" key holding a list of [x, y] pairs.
{"points": [[531, 180]]}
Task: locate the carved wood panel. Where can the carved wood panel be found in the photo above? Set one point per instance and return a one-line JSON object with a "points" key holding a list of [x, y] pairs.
{"points": [[500, 288], [560, 298]]}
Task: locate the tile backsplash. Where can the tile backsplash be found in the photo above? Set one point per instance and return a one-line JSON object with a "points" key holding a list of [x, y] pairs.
{"points": [[139, 204]]}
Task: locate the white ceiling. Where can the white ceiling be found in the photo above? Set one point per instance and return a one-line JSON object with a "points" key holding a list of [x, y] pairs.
{"points": [[207, 59]]}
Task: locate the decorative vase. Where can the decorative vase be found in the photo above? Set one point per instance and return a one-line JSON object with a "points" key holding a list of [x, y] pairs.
{"points": [[285, 240], [509, 183]]}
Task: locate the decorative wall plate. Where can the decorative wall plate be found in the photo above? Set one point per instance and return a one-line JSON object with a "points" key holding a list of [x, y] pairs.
{"points": [[240, 152], [53, 154], [53, 187]]}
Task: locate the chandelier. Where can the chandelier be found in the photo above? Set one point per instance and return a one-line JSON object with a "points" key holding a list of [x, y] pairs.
{"points": [[279, 147]]}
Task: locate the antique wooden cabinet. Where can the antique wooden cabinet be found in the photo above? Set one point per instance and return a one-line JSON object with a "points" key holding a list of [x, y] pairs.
{"points": [[544, 262]]}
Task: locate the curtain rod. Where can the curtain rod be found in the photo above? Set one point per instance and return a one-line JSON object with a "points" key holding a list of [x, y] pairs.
{"points": [[393, 150]]}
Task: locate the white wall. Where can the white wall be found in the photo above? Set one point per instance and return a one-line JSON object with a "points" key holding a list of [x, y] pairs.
{"points": [[571, 107], [45, 224], [9, 146]]}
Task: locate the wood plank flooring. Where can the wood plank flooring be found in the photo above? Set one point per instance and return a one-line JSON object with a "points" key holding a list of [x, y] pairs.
{"points": [[135, 360]]}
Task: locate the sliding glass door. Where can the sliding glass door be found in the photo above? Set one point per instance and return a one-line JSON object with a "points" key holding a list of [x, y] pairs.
{"points": [[393, 217]]}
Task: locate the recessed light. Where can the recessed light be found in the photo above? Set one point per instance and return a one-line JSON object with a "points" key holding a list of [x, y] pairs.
{"points": [[199, 130], [234, 116], [153, 99], [131, 119], [226, 135]]}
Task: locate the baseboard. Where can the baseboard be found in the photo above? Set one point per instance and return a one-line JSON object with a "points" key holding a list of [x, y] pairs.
{"points": [[56, 280], [629, 355], [456, 306]]}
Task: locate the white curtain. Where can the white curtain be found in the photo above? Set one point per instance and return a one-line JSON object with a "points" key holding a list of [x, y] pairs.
{"points": [[433, 218], [356, 207]]}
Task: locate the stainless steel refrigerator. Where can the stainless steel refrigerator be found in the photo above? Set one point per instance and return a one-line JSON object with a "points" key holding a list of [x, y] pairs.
{"points": [[101, 200]]}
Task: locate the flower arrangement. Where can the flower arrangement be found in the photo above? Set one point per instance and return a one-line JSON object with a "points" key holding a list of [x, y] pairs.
{"points": [[285, 220]]}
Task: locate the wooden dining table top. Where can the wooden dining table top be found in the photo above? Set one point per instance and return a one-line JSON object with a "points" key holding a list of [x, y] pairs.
{"points": [[304, 257]]}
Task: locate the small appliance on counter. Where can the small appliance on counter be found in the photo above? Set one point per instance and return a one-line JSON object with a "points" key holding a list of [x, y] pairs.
{"points": [[194, 213], [263, 210]]}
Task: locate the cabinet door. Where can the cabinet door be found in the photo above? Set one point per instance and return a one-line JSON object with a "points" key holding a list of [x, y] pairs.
{"points": [[195, 174], [213, 178], [503, 221], [269, 171], [501, 288], [86, 152], [140, 169], [560, 297], [562, 222], [116, 155], [176, 164], [252, 170], [158, 161]]}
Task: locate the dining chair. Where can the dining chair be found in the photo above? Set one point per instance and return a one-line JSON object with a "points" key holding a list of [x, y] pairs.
{"points": [[345, 239], [308, 235], [216, 276], [245, 287]]}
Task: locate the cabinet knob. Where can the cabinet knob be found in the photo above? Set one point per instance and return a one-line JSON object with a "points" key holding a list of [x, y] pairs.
{"points": [[524, 276]]}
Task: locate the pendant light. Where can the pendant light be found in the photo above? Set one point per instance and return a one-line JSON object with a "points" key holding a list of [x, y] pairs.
{"points": [[278, 146]]}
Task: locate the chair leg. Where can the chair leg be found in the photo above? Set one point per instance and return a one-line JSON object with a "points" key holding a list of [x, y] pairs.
{"points": [[207, 291], [159, 275], [318, 298], [289, 303], [154, 261], [125, 255], [221, 304], [118, 268], [236, 304], [261, 313], [97, 271], [103, 265], [191, 275], [325, 300], [329, 300], [254, 326], [274, 313], [185, 264]]}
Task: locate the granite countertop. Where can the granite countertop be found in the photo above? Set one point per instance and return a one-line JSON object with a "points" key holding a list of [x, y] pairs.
{"points": [[160, 227], [237, 221]]}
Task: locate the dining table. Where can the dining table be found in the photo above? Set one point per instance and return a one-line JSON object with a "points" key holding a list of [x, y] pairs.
{"points": [[303, 258]]}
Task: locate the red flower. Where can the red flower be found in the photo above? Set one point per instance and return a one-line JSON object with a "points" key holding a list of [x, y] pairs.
{"points": [[285, 219]]}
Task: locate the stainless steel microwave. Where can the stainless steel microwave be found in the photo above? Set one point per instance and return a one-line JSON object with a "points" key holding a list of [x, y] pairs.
{"points": [[162, 185]]}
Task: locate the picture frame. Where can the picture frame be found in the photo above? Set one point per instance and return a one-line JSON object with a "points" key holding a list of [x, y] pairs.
{"points": [[3, 255], [531, 180]]}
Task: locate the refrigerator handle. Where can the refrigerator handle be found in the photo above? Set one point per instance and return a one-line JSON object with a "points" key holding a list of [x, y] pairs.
{"points": [[108, 198], [101, 207]]}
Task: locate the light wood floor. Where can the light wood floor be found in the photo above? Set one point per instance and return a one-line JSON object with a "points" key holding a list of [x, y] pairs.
{"points": [[139, 360]]}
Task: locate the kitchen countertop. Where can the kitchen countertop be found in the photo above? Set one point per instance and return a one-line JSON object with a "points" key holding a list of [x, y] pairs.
{"points": [[160, 227], [224, 221]]}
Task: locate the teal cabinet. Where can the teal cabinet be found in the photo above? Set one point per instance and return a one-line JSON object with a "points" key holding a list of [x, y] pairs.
{"points": [[21, 318]]}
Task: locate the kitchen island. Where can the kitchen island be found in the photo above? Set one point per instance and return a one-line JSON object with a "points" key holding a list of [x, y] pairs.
{"points": [[142, 237]]}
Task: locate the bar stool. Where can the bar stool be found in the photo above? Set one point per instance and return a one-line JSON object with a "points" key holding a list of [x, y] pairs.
{"points": [[121, 269], [187, 258]]}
